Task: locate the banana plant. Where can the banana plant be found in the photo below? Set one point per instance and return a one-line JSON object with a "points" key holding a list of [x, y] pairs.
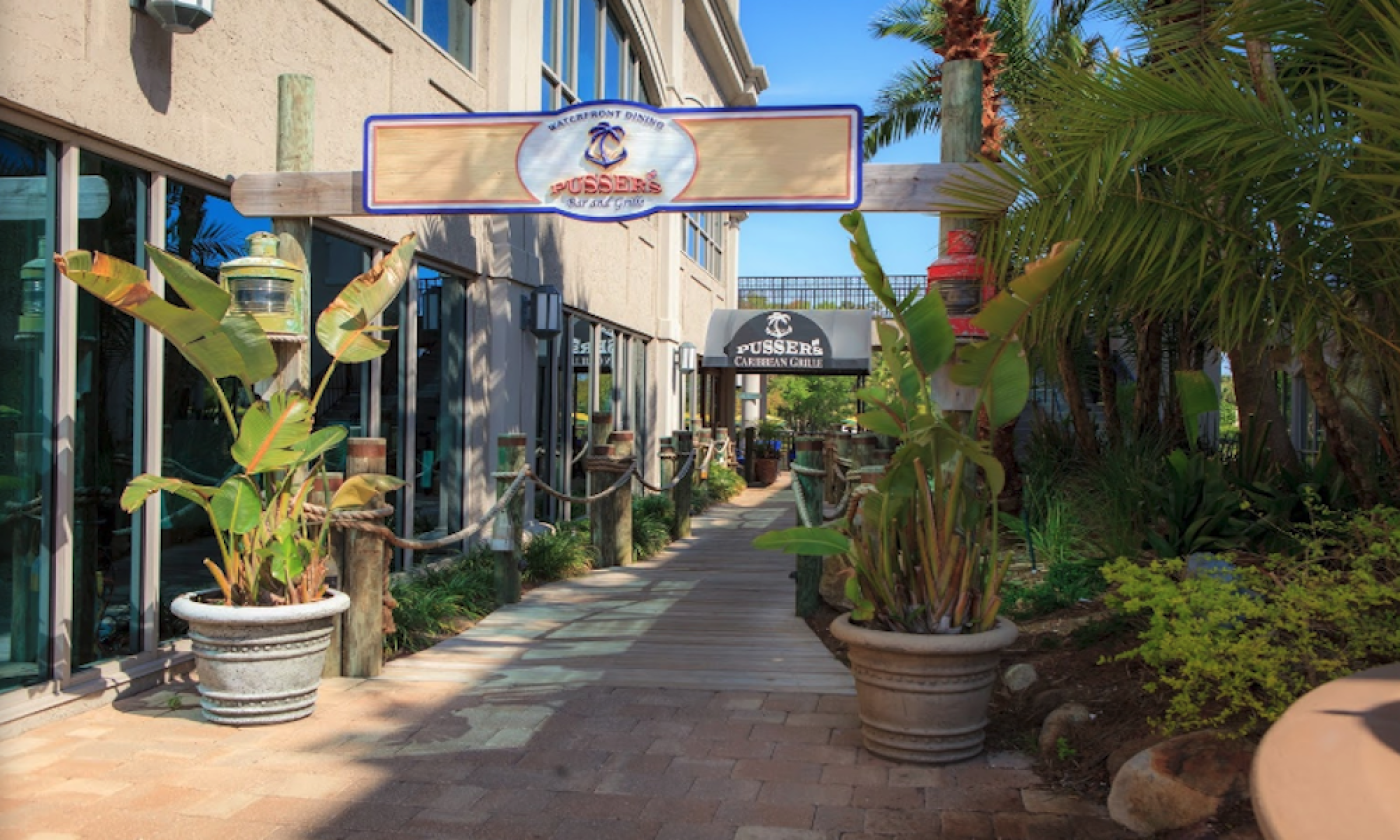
{"points": [[922, 544], [271, 551]]}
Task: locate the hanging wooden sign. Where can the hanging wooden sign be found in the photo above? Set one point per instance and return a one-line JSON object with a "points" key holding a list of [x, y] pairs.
{"points": [[613, 160]]}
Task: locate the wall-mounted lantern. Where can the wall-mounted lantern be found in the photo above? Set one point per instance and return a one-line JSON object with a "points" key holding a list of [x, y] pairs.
{"points": [[686, 358], [265, 286], [31, 301], [544, 311], [961, 278], [180, 16]]}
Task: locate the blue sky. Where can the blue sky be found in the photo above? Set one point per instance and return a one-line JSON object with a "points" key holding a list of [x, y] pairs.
{"points": [[825, 55]]}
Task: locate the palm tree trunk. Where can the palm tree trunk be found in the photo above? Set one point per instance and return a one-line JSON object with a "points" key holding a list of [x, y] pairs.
{"points": [[1147, 404], [1108, 390], [1256, 399], [1329, 411], [1084, 432]]}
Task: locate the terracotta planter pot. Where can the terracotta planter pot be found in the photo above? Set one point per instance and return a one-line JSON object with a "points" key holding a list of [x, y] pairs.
{"points": [[259, 665], [765, 470], [924, 698]]}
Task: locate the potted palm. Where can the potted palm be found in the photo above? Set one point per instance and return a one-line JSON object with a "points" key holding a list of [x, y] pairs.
{"points": [[767, 450], [925, 566], [260, 635]]}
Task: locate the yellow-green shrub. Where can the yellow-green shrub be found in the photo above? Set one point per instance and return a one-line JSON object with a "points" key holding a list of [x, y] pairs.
{"points": [[1237, 649]]}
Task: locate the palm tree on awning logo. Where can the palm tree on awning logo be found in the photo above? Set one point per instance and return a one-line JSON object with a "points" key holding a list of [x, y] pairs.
{"points": [[779, 324], [605, 145]]}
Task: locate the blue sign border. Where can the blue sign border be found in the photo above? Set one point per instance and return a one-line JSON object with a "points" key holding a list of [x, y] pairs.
{"points": [[430, 210]]}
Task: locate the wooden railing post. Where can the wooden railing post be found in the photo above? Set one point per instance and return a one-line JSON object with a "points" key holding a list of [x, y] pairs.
{"points": [[617, 508], [667, 470], [598, 479], [685, 488], [862, 450], [363, 574], [722, 443], [750, 441], [809, 569], [509, 527]]}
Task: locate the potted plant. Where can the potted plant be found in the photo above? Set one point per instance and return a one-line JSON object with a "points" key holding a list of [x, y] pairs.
{"points": [[260, 636], [924, 635], [767, 448]]}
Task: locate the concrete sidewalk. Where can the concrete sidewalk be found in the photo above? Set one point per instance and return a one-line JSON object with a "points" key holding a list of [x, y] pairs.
{"points": [[546, 732]]}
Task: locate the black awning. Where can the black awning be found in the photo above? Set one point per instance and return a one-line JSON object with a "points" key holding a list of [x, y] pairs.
{"points": [[823, 341]]}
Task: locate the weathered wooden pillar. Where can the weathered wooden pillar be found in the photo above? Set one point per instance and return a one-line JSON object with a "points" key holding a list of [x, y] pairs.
{"points": [[750, 440], [668, 467], [617, 508], [809, 569], [296, 143], [362, 574], [863, 449], [722, 446], [509, 526], [685, 488], [599, 479], [703, 439]]}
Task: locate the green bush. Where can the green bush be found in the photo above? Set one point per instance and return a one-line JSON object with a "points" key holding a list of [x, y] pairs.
{"points": [[562, 553], [429, 603], [724, 483], [1066, 582], [651, 525], [657, 506], [1235, 648]]}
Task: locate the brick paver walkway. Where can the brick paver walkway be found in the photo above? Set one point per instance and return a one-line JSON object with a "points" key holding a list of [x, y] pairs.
{"points": [[553, 749]]}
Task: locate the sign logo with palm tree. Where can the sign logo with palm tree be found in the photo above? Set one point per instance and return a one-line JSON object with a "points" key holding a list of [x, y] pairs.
{"points": [[605, 147]]}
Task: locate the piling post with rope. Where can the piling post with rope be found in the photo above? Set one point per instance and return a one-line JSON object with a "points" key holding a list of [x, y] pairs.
{"points": [[509, 526], [685, 488], [362, 571], [806, 479]]}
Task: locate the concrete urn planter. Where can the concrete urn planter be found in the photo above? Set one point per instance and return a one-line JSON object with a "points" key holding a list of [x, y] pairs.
{"points": [[923, 698], [258, 665], [765, 470]]}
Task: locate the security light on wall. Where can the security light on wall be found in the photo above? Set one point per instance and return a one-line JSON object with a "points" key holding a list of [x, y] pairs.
{"points": [[686, 358], [181, 16], [544, 311]]}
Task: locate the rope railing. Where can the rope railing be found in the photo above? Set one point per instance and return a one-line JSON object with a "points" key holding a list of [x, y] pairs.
{"points": [[365, 520]]}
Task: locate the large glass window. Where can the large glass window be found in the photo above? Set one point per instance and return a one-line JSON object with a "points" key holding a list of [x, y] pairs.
{"points": [[106, 596], [448, 23], [588, 55], [205, 230], [704, 240], [26, 345]]}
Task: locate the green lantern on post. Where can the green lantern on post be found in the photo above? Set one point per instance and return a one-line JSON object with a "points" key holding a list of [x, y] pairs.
{"points": [[265, 286]]}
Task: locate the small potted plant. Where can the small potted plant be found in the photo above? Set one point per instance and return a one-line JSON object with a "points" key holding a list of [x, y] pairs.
{"points": [[260, 636], [767, 449], [924, 636]]}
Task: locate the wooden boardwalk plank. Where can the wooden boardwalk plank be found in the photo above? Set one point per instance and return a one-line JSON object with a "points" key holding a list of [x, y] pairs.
{"points": [[710, 613]]}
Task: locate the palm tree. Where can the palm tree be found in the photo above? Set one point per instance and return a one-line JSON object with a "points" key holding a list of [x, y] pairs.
{"points": [[911, 103], [1242, 180]]}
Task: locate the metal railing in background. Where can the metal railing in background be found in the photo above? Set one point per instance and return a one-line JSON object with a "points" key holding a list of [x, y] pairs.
{"points": [[848, 292]]}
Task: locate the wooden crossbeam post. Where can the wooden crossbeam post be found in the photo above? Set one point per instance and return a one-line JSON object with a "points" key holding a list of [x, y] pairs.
{"points": [[809, 569], [362, 574], [509, 527]]}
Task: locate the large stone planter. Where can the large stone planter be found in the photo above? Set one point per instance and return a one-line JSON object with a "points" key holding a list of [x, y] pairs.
{"points": [[924, 698], [765, 470], [259, 665]]}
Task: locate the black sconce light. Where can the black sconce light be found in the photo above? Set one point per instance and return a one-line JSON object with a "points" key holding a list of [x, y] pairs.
{"points": [[182, 16], [544, 311], [686, 358]]}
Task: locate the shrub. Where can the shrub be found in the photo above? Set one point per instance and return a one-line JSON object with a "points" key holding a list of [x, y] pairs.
{"points": [[562, 553], [1065, 583], [1237, 648], [651, 524], [724, 483], [657, 506], [429, 603]]}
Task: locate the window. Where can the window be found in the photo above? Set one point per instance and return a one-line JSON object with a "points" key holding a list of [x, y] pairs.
{"points": [[448, 23], [704, 240], [587, 55]]}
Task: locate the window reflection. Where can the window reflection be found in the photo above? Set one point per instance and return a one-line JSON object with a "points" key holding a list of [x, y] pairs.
{"points": [[26, 330]]}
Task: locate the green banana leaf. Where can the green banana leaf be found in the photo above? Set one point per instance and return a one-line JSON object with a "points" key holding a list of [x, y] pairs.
{"points": [[811, 542], [345, 328], [237, 506], [359, 490], [218, 343], [145, 485], [274, 434]]}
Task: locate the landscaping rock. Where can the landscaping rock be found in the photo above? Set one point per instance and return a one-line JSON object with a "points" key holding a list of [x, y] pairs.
{"points": [[1120, 756], [835, 570], [1060, 724], [1019, 677], [1047, 701], [1179, 782]]}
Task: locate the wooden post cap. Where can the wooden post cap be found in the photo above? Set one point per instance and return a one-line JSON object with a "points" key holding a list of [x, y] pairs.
{"points": [[513, 439], [366, 447]]}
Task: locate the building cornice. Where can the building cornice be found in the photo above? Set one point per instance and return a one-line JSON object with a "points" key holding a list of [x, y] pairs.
{"points": [[725, 52]]}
